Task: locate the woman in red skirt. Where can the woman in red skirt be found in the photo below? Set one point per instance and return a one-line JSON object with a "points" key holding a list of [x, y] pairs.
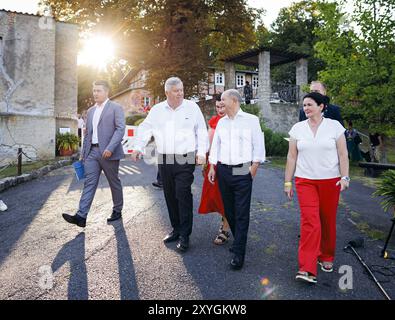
{"points": [[211, 200], [318, 158]]}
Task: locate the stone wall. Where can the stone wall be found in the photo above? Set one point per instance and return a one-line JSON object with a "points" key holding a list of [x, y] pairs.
{"points": [[38, 84], [35, 135], [281, 117], [66, 80], [29, 61]]}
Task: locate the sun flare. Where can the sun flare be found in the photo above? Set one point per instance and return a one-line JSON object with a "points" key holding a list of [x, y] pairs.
{"points": [[97, 52]]}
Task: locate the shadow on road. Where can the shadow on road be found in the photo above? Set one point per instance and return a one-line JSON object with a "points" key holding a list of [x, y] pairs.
{"points": [[127, 277], [73, 252], [23, 207]]}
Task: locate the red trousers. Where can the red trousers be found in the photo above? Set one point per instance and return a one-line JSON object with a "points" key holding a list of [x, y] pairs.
{"points": [[318, 201]]}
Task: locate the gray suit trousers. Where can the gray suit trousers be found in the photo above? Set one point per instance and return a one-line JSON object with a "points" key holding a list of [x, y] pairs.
{"points": [[93, 165]]}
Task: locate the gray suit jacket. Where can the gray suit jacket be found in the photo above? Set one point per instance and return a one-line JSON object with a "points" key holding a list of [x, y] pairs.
{"points": [[110, 130]]}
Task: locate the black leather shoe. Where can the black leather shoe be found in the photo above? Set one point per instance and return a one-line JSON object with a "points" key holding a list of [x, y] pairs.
{"points": [[114, 216], [183, 244], [172, 236], [157, 185], [76, 219], [237, 262]]}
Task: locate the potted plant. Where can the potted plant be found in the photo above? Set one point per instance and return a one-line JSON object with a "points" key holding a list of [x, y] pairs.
{"points": [[67, 143]]}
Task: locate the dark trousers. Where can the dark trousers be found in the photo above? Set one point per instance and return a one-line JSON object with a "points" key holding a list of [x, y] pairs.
{"points": [[236, 195], [159, 178], [177, 180], [80, 136]]}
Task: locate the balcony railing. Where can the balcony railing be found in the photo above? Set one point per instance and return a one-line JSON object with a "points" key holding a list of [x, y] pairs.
{"points": [[280, 93]]}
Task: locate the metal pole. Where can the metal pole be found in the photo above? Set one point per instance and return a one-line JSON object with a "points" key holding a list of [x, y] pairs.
{"points": [[19, 161], [370, 272], [384, 253]]}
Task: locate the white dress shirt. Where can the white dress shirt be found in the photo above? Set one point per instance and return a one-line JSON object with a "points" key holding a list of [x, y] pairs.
{"points": [[238, 141], [96, 119], [317, 155], [178, 131]]}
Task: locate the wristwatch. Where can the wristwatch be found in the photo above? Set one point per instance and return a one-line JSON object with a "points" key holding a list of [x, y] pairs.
{"points": [[346, 178]]}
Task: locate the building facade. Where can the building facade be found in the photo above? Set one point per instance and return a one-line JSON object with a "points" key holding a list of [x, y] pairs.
{"points": [[38, 83], [136, 98]]}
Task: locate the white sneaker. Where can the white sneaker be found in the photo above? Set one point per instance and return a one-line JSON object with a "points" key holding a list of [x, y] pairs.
{"points": [[3, 206], [306, 277]]}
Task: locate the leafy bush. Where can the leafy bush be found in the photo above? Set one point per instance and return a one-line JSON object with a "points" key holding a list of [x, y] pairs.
{"points": [[131, 120], [251, 108], [139, 121], [386, 189], [275, 144]]}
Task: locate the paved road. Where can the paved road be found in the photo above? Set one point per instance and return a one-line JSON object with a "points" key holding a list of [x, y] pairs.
{"points": [[127, 259]]}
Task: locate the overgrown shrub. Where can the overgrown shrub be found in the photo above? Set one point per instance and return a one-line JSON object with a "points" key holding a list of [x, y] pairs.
{"points": [[131, 120]]}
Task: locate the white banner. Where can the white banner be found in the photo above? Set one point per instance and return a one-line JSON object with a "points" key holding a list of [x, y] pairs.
{"points": [[128, 139]]}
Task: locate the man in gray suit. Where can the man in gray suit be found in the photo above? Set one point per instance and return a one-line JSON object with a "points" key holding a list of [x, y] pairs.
{"points": [[102, 150]]}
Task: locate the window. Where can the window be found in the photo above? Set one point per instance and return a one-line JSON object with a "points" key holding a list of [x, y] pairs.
{"points": [[255, 82], [240, 79], [146, 101], [219, 79]]}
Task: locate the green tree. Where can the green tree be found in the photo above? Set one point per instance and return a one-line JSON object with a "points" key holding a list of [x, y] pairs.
{"points": [[360, 63], [293, 31], [167, 37]]}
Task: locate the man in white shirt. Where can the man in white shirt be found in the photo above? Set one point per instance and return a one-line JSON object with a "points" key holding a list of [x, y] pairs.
{"points": [[181, 139], [237, 150]]}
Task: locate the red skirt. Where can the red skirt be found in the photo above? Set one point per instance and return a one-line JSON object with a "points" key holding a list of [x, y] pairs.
{"points": [[211, 200]]}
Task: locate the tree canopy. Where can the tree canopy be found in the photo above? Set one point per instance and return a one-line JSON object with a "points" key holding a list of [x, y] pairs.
{"points": [[359, 52], [167, 37]]}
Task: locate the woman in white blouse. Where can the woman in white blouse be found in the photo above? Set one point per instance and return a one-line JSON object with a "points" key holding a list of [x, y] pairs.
{"points": [[318, 158]]}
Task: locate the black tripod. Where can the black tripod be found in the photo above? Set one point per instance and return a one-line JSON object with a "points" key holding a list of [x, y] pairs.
{"points": [[384, 253]]}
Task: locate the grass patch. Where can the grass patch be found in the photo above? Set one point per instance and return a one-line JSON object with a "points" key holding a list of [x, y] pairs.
{"points": [[278, 162], [356, 172], [271, 249], [355, 215], [371, 233], [26, 168]]}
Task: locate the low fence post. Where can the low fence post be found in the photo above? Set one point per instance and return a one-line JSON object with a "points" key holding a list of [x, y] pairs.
{"points": [[19, 161]]}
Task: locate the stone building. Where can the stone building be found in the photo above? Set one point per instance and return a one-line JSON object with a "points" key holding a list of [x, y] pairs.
{"points": [[136, 97], [278, 115], [38, 83]]}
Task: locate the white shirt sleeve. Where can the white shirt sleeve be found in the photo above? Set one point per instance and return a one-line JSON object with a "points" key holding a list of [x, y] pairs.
{"points": [[339, 129], [258, 143], [293, 133], [215, 145], [144, 133], [202, 135]]}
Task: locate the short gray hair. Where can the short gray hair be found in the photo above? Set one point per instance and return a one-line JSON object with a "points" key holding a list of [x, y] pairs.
{"points": [[234, 94], [173, 81]]}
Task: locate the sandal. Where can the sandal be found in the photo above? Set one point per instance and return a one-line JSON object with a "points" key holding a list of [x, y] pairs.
{"points": [[306, 277], [222, 237], [326, 266]]}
